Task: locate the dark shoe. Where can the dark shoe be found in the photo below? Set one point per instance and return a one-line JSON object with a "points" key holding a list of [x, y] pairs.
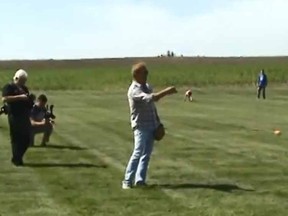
{"points": [[17, 162], [141, 184], [43, 144]]}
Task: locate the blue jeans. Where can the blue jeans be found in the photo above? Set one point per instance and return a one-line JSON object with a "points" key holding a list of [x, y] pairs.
{"points": [[139, 160]]}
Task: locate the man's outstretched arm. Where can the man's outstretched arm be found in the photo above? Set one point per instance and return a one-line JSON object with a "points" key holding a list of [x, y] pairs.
{"points": [[139, 95], [167, 91]]}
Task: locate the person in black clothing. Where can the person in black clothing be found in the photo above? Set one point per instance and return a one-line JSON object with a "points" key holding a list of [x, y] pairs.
{"points": [[16, 96]]}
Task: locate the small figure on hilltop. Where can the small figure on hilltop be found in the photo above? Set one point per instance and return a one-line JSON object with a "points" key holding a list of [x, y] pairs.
{"points": [[188, 95], [262, 84], [168, 53]]}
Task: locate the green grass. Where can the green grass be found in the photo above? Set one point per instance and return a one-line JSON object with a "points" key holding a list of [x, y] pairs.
{"points": [[219, 158], [115, 73]]}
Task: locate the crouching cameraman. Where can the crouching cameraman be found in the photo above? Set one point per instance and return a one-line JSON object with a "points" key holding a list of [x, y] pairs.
{"points": [[41, 120]]}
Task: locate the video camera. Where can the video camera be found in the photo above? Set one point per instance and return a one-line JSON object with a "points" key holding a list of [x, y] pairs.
{"points": [[49, 112], [4, 109]]}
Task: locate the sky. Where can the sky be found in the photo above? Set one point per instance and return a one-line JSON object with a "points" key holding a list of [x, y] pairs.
{"points": [[71, 29]]}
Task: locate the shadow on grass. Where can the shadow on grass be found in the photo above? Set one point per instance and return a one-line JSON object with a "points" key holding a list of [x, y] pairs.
{"points": [[61, 147], [64, 165], [219, 187]]}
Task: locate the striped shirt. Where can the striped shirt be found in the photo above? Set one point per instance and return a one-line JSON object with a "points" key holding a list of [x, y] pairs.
{"points": [[142, 108]]}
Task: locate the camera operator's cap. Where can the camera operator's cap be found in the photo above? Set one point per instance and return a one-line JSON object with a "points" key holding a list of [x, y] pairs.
{"points": [[20, 73]]}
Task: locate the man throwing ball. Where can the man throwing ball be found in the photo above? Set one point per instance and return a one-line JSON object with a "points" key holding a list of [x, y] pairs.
{"points": [[144, 122]]}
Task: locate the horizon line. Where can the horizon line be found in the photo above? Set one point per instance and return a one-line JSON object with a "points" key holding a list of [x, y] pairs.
{"points": [[139, 57]]}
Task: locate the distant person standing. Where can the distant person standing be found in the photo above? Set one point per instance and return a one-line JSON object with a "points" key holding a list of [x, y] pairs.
{"points": [[16, 96], [262, 84]]}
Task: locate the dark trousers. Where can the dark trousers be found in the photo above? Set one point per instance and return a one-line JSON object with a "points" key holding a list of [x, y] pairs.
{"points": [[45, 129], [20, 127], [263, 90]]}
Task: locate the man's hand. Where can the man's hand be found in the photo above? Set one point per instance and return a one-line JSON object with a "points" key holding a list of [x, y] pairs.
{"points": [[168, 91], [171, 90], [49, 122]]}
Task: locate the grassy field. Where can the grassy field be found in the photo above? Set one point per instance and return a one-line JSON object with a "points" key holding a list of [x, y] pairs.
{"points": [[114, 73], [219, 158]]}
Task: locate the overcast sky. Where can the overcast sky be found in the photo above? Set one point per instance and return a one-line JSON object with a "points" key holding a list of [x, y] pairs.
{"points": [[34, 29]]}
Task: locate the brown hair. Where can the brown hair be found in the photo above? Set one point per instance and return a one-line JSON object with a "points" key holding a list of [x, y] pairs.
{"points": [[42, 98], [137, 67]]}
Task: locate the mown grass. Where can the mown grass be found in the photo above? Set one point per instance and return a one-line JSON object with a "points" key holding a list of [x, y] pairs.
{"points": [[115, 73], [219, 157]]}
